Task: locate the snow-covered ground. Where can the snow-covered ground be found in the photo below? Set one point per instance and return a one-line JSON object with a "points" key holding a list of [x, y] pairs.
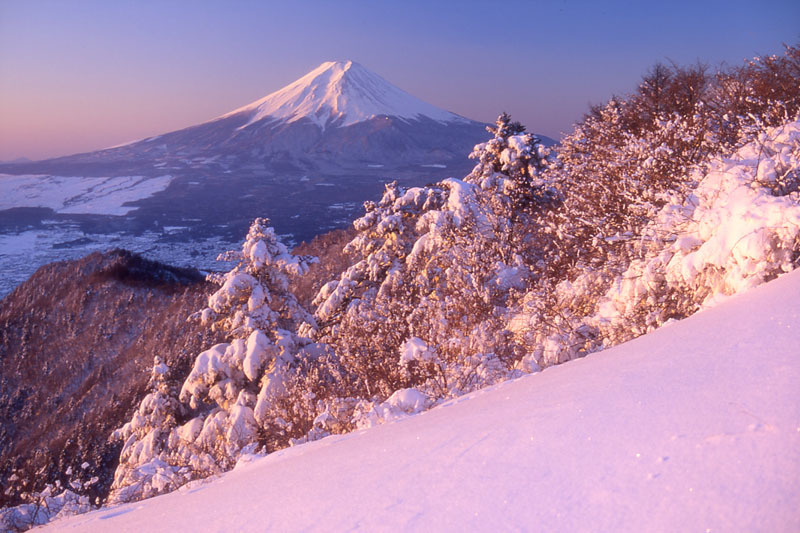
{"points": [[695, 427], [22, 253], [78, 195]]}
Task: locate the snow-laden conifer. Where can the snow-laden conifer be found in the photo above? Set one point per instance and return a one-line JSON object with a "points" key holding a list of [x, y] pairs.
{"points": [[233, 392], [240, 381], [146, 466]]}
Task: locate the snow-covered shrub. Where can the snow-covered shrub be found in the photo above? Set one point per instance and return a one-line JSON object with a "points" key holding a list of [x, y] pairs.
{"points": [[44, 507], [612, 180], [549, 321], [440, 265], [765, 91], [618, 170], [400, 404], [739, 227], [315, 379]]}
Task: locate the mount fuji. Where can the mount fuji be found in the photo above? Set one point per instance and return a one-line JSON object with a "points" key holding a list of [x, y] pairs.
{"points": [[341, 94], [306, 156], [338, 116]]}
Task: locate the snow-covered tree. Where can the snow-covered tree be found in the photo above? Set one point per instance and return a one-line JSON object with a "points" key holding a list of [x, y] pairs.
{"points": [[439, 266], [512, 162], [240, 381], [232, 395], [146, 466]]}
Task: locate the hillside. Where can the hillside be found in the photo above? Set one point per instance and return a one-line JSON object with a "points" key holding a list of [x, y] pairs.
{"points": [[78, 341], [694, 427]]}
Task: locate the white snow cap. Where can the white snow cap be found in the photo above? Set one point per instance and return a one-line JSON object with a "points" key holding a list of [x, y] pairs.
{"points": [[341, 93]]}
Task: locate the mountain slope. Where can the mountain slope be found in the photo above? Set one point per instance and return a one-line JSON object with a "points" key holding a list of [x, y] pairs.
{"points": [[693, 427], [341, 93], [77, 341]]}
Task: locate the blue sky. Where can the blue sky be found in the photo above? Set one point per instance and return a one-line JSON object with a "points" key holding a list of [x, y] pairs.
{"points": [[83, 75]]}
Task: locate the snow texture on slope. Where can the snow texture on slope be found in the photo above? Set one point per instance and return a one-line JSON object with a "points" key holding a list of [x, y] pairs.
{"points": [[695, 427], [341, 93]]}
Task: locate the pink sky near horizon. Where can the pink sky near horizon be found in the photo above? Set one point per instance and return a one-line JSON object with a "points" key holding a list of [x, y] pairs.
{"points": [[86, 75]]}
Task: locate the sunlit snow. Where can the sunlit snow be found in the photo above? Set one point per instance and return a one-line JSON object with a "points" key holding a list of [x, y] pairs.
{"points": [[343, 92]]}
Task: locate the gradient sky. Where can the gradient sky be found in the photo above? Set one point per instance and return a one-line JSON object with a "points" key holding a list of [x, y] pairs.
{"points": [[83, 75]]}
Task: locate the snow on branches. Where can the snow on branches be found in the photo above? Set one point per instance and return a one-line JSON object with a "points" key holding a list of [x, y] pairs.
{"points": [[144, 467], [241, 380], [739, 227], [439, 265], [233, 388], [639, 216]]}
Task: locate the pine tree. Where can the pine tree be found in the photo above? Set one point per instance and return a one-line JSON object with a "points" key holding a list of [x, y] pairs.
{"points": [[145, 467], [237, 384], [234, 388], [512, 161]]}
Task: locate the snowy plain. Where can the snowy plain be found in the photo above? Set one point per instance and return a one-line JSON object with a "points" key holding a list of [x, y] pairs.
{"points": [[83, 195], [694, 427], [22, 253]]}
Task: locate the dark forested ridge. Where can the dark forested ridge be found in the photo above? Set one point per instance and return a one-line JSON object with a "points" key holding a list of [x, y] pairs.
{"points": [[78, 340]]}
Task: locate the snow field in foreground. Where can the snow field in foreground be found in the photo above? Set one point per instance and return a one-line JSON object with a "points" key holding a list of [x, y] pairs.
{"points": [[695, 427]]}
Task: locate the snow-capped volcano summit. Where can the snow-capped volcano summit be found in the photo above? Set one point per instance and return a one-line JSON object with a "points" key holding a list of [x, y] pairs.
{"points": [[341, 93]]}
